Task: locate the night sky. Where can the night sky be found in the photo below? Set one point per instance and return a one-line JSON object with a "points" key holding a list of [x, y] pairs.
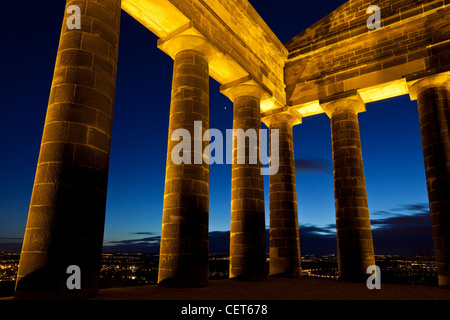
{"points": [[390, 136]]}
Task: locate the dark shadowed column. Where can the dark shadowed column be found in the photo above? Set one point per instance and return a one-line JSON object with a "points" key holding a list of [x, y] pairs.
{"points": [[433, 98], [248, 231], [284, 232], [67, 211], [184, 237], [354, 236]]}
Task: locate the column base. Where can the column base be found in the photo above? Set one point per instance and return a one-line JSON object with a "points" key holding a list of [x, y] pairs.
{"points": [[444, 281], [359, 278]]}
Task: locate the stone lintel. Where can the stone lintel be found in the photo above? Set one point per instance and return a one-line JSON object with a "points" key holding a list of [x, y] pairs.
{"points": [[187, 37], [433, 81], [384, 90], [345, 100], [159, 16], [237, 52]]}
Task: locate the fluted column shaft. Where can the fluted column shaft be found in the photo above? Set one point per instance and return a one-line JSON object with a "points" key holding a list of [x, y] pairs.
{"points": [[354, 235], [67, 211], [247, 233], [284, 232], [184, 238], [433, 98]]}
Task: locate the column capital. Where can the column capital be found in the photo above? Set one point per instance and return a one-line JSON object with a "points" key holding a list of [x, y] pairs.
{"points": [[187, 38], [284, 114], [340, 102], [246, 86], [438, 80]]}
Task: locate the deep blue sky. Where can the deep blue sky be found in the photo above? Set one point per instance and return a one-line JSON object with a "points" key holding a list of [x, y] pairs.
{"points": [[390, 134]]}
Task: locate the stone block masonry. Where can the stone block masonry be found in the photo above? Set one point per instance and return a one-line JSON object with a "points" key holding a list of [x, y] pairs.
{"points": [[353, 231], [67, 210], [339, 53], [433, 99], [248, 228], [184, 252], [336, 66], [285, 257]]}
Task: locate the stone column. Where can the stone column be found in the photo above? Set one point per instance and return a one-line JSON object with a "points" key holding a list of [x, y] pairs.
{"points": [[433, 97], [184, 237], [67, 211], [248, 230], [284, 232], [354, 235]]}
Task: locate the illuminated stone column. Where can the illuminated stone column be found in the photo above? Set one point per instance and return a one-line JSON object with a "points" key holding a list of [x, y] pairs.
{"points": [[67, 210], [433, 97], [248, 230], [354, 235], [284, 234], [183, 260]]}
